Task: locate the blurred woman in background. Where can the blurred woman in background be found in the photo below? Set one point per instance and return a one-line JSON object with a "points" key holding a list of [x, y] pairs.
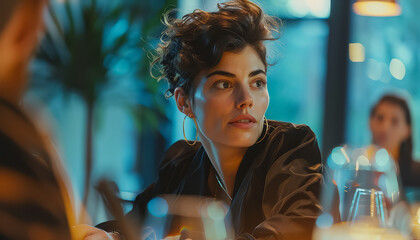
{"points": [[391, 127]]}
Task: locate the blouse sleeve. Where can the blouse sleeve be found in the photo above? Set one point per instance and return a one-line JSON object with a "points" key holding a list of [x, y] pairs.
{"points": [[292, 186], [172, 168]]}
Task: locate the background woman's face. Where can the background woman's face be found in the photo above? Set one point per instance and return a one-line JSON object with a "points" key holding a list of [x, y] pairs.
{"points": [[231, 98], [388, 125]]}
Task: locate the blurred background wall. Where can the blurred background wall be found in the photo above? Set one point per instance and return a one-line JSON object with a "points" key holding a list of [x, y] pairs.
{"points": [[91, 85]]}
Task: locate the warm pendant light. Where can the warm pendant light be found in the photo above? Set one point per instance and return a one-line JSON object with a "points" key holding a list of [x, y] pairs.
{"points": [[377, 8]]}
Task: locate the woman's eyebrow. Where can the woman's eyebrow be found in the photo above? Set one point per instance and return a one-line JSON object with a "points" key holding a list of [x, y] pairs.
{"points": [[228, 74], [256, 72], [218, 72]]}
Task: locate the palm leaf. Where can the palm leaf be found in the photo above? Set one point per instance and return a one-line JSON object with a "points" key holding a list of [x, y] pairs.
{"points": [[75, 57]]}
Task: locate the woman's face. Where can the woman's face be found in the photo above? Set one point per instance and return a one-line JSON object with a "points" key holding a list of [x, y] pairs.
{"points": [[388, 126], [231, 98]]}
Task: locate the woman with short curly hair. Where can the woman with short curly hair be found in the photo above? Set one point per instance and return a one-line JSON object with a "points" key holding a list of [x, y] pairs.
{"points": [[268, 172]]}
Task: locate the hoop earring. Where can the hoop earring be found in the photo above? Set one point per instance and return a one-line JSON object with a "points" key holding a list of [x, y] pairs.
{"points": [[266, 130], [183, 131]]}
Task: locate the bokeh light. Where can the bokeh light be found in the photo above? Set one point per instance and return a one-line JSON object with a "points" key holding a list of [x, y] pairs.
{"points": [[216, 211], [337, 156], [376, 8], [382, 160], [298, 8], [158, 207], [397, 69], [373, 69], [356, 52], [319, 8], [363, 161], [325, 220]]}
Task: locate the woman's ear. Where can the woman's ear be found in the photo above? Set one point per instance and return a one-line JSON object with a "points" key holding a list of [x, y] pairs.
{"points": [[182, 101]]}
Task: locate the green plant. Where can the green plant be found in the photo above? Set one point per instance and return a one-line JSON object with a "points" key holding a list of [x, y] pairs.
{"points": [[91, 47]]}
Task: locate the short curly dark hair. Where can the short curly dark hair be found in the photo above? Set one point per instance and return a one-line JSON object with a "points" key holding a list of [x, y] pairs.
{"points": [[199, 39]]}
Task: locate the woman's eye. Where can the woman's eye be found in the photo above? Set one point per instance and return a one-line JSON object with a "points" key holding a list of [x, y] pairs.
{"points": [[223, 85], [259, 83]]}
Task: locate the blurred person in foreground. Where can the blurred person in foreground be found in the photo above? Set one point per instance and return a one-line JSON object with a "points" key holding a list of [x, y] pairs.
{"points": [[33, 197], [267, 172], [391, 127]]}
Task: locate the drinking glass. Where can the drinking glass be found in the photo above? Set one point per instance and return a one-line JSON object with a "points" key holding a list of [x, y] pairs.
{"points": [[361, 197], [368, 205]]}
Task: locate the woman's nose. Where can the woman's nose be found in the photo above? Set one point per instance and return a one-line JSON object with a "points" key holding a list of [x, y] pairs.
{"points": [[386, 125], [244, 99]]}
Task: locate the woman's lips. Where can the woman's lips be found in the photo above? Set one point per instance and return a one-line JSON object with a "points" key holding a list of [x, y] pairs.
{"points": [[244, 121], [243, 125]]}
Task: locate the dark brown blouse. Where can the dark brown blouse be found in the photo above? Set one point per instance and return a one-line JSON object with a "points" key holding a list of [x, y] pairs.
{"points": [[276, 193]]}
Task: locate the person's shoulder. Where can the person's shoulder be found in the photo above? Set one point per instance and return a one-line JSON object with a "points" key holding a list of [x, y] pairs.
{"points": [[13, 157], [174, 166], [296, 141], [299, 132], [36, 184], [179, 153]]}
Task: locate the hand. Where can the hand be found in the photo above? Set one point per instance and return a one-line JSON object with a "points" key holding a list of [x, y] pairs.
{"points": [[86, 232]]}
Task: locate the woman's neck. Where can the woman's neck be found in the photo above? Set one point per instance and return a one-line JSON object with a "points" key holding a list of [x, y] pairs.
{"points": [[395, 153], [226, 161]]}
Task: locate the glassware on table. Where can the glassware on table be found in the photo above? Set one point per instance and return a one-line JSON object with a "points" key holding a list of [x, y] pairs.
{"points": [[361, 197], [368, 205], [184, 217]]}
